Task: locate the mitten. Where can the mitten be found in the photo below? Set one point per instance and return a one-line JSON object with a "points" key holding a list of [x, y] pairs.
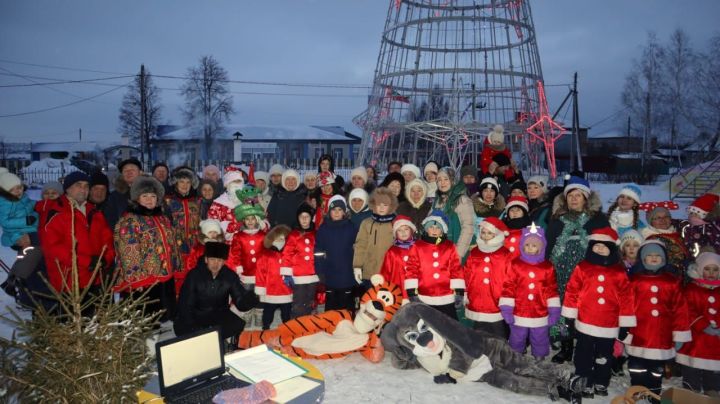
{"points": [[94, 261], [618, 349], [357, 272], [623, 333], [507, 314], [678, 345], [289, 281], [459, 297], [709, 330], [30, 220], [413, 295], [553, 315]]}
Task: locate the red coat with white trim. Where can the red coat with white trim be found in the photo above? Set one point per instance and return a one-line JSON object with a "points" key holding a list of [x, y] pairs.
{"points": [[222, 209], [298, 257], [484, 277], [703, 352], [600, 298], [531, 289], [269, 283], [245, 250], [662, 317], [512, 242], [395, 264], [435, 271]]}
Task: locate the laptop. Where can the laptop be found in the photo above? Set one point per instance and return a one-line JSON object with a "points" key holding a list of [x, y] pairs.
{"points": [[191, 368]]}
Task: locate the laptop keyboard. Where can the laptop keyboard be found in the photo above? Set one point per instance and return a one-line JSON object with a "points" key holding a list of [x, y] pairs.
{"points": [[206, 394]]}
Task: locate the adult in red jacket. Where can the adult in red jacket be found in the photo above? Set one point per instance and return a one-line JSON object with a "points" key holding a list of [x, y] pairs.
{"points": [[434, 275], [485, 271], [91, 231], [701, 356], [662, 317]]}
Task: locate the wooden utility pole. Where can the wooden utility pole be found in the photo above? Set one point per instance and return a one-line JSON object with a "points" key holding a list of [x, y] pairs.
{"points": [[576, 123], [646, 133], [144, 146]]}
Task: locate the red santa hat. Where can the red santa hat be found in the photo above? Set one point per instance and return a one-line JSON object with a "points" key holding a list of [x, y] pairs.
{"points": [[703, 205], [495, 225], [604, 234], [402, 220], [519, 201]]}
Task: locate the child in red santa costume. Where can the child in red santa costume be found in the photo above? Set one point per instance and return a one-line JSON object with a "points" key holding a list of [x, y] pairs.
{"points": [[662, 317], [299, 261], [516, 219], [270, 285], [434, 276], [530, 303], [599, 298], [397, 257], [485, 271], [701, 356]]}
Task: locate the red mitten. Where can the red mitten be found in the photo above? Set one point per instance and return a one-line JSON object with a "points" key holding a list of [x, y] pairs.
{"points": [[618, 349]]}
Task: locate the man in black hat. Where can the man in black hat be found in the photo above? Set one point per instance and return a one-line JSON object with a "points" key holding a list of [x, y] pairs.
{"points": [[203, 300], [118, 199], [99, 185]]}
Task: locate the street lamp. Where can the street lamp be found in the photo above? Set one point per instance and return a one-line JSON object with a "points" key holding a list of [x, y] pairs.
{"points": [[237, 147]]}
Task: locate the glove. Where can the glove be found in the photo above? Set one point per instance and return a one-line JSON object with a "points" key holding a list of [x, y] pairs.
{"points": [[709, 330], [30, 220], [618, 348], [553, 315], [507, 314], [413, 295], [459, 297], [444, 379], [357, 272], [94, 262], [622, 333], [678, 345], [289, 281]]}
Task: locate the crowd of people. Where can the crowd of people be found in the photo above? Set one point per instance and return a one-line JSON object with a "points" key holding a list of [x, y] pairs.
{"points": [[537, 265]]}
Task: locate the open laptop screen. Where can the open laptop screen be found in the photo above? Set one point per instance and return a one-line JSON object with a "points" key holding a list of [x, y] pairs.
{"points": [[190, 359]]}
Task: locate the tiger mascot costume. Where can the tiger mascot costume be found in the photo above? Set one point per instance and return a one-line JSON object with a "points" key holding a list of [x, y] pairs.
{"points": [[335, 334]]}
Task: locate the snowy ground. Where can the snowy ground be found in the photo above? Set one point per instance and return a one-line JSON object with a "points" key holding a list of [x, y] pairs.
{"points": [[354, 379]]}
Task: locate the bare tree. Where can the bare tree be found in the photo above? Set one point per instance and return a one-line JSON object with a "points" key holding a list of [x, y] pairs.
{"points": [[707, 74], [140, 111], [208, 104], [678, 88], [642, 93]]}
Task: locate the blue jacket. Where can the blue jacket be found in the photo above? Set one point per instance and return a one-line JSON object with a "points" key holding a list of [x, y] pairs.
{"points": [[335, 239], [13, 217]]}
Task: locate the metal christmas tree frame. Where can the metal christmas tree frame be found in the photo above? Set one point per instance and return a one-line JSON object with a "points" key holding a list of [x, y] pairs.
{"points": [[447, 72]]}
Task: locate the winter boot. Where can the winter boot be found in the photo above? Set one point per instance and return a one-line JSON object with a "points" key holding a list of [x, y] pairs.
{"points": [[601, 390], [566, 352], [617, 367], [588, 392], [572, 390]]}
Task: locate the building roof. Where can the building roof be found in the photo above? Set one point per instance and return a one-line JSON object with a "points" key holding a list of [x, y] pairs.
{"points": [[271, 133], [50, 147]]}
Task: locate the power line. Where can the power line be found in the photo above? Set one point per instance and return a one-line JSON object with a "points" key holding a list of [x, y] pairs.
{"points": [[62, 82], [608, 117], [65, 105]]}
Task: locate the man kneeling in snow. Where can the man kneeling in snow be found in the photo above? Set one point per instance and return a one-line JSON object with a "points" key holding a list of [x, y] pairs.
{"points": [[203, 300]]}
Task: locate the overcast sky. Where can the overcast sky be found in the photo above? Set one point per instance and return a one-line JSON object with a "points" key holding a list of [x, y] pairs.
{"points": [[290, 41]]}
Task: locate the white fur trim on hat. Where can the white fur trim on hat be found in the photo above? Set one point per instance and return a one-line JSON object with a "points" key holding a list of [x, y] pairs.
{"points": [[431, 166], [9, 181], [585, 190], [497, 135], [359, 172], [397, 223], [412, 168], [261, 175], [358, 193], [631, 235], [630, 192], [437, 219], [232, 176], [208, 225], [290, 173], [541, 180], [519, 203]]}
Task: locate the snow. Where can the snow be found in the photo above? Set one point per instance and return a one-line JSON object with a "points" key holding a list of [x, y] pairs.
{"points": [[354, 379], [48, 169]]}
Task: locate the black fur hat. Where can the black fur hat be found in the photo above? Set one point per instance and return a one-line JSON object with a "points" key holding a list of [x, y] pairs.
{"points": [[146, 184], [214, 249], [184, 172]]}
